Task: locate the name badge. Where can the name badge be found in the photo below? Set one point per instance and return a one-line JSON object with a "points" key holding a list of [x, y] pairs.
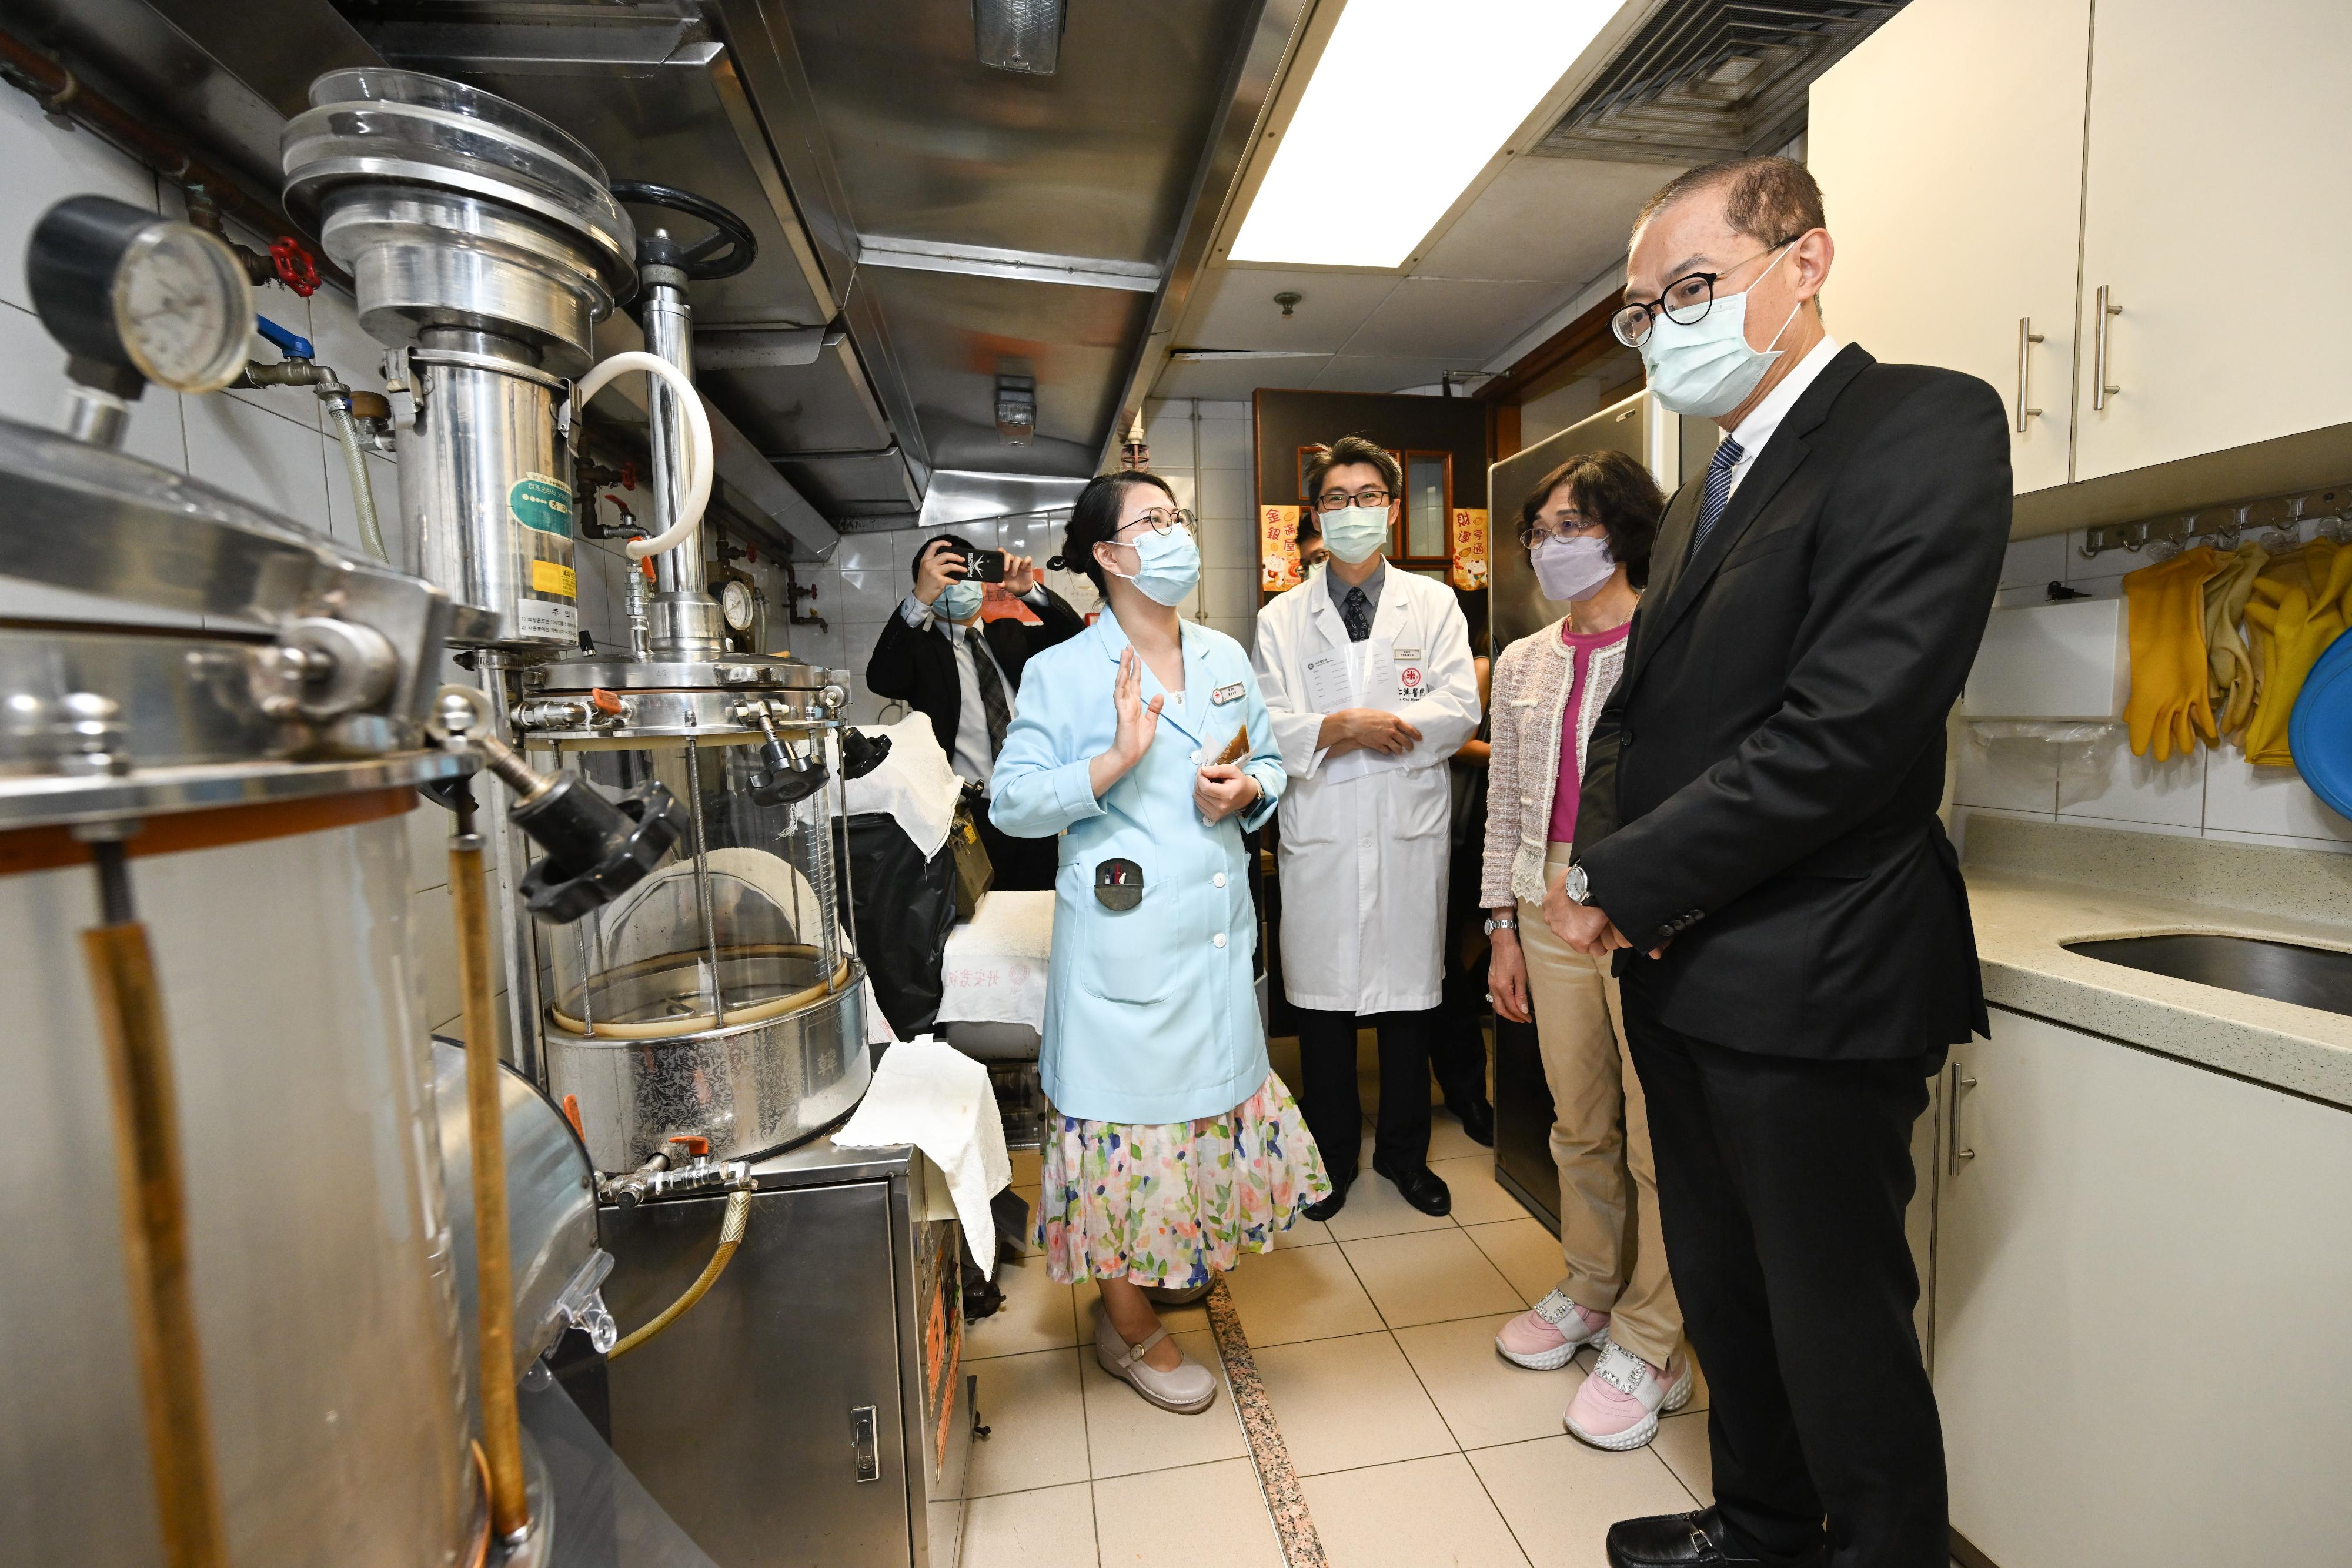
{"points": [[1223, 695], [1408, 655]]}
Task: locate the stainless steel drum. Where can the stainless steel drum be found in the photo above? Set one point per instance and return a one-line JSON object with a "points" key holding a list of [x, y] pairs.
{"points": [[484, 244], [266, 777], [720, 999]]}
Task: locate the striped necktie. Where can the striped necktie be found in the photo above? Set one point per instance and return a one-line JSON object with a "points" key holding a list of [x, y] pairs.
{"points": [[991, 691], [1718, 493]]}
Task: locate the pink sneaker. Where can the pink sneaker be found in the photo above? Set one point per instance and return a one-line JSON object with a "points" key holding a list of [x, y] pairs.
{"points": [[1548, 1334], [1617, 1408]]}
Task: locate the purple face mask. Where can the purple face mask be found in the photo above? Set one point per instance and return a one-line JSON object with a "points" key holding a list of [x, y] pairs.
{"points": [[1572, 569]]}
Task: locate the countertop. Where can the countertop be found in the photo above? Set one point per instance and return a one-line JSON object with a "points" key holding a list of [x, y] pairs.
{"points": [[2033, 887]]}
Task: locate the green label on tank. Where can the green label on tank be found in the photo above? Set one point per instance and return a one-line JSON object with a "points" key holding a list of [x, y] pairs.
{"points": [[542, 502]]}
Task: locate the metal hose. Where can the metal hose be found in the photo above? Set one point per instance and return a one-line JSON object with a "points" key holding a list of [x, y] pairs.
{"points": [[363, 492], [730, 1237]]}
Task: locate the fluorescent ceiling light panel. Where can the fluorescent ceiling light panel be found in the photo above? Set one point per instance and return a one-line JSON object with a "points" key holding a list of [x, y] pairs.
{"points": [[1408, 101]]}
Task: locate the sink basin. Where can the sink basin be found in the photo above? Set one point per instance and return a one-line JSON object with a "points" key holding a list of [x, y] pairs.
{"points": [[2309, 977]]}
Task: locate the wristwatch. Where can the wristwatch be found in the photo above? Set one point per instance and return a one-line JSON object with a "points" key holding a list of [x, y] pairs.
{"points": [[1575, 886], [1494, 925]]}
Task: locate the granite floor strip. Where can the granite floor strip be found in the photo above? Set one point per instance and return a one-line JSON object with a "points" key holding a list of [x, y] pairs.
{"points": [[1285, 1503]]}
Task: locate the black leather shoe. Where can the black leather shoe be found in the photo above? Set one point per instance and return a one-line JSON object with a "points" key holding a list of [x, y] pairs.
{"points": [[1421, 1187], [1685, 1541], [1475, 1115], [1319, 1212]]}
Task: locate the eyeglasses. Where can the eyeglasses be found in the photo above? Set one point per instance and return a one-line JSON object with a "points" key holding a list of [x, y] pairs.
{"points": [[1160, 521], [1336, 502], [1568, 527], [1685, 301]]}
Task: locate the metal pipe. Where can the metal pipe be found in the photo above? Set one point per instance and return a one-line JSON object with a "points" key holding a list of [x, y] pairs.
{"points": [[154, 1222], [58, 91], [485, 1118], [702, 883], [669, 332]]}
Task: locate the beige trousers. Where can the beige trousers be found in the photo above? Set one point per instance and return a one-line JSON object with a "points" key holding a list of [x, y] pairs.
{"points": [[1600, 1141]]}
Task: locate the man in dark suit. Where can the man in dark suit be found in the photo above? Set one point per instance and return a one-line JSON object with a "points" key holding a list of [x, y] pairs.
{"points": [[1758, 840], [962, 674]]}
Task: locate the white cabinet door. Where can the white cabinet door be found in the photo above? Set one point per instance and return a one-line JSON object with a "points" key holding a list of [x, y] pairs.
{"points": [[1948, 146], [2142, 1280], [2213, 212]]}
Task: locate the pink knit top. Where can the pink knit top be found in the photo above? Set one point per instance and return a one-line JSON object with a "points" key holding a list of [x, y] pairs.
{"points": [[1581, 646]]}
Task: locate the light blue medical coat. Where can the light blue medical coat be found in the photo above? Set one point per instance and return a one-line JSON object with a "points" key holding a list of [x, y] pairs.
{"points": [[1150, 1013]]}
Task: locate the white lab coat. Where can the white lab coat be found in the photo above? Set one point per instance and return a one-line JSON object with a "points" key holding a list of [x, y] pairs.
{"points": [[1363, 860]]}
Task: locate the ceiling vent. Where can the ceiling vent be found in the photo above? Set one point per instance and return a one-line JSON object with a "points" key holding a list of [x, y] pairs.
{"points": [[1704, 79], [1023, 36]]}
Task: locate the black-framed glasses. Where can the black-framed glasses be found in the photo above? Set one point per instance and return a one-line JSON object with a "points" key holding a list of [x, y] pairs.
{"points": [[1685, 302], [1336, 502], [1162, 519]]}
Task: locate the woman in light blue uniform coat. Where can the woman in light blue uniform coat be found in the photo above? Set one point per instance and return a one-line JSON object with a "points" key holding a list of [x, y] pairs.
{"points": [[1173, 1147]]}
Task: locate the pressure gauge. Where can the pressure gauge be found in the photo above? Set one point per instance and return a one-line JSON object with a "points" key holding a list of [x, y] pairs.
{"points": [[735, 603], [130, 293]]}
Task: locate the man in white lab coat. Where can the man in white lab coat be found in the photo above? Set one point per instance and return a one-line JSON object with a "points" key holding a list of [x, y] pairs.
{"points": [[1366, 671]]}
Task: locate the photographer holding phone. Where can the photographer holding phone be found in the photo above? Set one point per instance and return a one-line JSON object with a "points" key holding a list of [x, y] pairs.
{"points": [[962, 674]]}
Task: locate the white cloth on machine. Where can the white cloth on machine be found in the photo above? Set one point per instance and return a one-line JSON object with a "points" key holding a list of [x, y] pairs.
{"points": [[995, 966], [913, 785], [938, 1098]]}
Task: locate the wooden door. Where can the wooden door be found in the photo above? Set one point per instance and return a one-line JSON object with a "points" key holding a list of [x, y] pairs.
{"points": [[1948, 146], [2214, 216], [2141, 1272]]}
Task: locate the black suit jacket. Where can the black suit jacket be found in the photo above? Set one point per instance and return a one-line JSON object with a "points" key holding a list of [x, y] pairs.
{"points": [[1761, 787], [916, 667]]}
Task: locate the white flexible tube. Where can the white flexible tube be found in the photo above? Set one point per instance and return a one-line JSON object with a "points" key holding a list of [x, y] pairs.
{"points": [[363, 492], [695, 473]]}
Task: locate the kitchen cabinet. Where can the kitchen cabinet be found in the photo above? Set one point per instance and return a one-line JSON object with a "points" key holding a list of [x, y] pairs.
{"points": [[2141, 1273], [1949, 150], [2217, 145], [2146, 187]]}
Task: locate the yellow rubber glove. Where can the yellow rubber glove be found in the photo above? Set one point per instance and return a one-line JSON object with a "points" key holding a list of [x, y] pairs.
{"points": [[2231, 689], [2297, 627], [2305, 567], [2169, 667]]}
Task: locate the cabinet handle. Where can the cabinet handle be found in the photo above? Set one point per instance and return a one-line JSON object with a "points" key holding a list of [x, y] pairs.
{"points": [[2101, 390], [2026, 337], [863, 1445], [1960, 1083]]}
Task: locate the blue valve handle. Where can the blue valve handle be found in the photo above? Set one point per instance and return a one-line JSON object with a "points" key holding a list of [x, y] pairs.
{"points": [[292, 344]]}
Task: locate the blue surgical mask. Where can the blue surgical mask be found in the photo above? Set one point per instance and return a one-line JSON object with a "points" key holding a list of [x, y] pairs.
{"points": [[1168, 566], [1356, 532], [1706, 370], [959, 600]]}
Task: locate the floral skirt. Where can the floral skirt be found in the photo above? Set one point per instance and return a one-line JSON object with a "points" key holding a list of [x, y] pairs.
{"points": [[1163, 1204]]}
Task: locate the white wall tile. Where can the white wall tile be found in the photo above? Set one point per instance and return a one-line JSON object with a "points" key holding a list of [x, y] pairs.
{"points": [[47, 162], [271, 462], [1168, 431], [33, 391], [1039, 539], [876, 552], [1232, 408], [433, 938], [428, 846], [1229, 542], [1231, 592], [1225, 493], [870, 595], [2020, 775], [2108, 783], [2242, 797], [1227, 443]]}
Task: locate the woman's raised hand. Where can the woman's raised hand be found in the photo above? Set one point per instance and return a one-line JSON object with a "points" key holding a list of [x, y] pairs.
{"points": [[1139, 721]]}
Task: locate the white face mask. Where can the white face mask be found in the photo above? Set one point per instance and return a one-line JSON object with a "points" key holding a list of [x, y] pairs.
{"points": [[1706, 370], [1355, 533], [1573, 569], [1168, 566]]}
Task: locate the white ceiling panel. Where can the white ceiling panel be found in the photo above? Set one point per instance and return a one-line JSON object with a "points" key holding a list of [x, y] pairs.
{"points": [[1380, 373], [1233, 307], [1561, 220], [1235, 378], [1465, 319]]}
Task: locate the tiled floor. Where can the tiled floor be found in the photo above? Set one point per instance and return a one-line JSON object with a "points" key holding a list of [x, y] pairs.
{"points": [[1417, 1446]]}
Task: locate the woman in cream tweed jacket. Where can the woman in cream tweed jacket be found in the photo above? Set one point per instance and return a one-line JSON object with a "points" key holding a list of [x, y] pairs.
{"points": [[1548, 690]]}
